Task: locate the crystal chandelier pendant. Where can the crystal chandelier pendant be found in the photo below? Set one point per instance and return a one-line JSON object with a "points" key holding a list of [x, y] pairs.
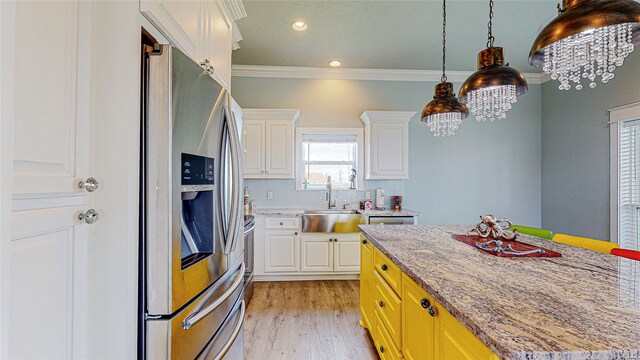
{"points": [[588, 55], [491, 91], [587, 41], [444, 113]]}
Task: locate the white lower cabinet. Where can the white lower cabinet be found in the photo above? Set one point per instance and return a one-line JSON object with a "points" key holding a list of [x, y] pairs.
{"points": [[330, 252], [283, 252], [281, 249], [346, 253], [317, 252]]}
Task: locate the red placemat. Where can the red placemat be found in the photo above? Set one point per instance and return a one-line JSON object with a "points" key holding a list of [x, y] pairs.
{"points": [[472, 240]]}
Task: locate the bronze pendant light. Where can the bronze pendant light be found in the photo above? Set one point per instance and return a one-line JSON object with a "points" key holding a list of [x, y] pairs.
{"points": [[490, 91], [589, 38], [444, 113]]}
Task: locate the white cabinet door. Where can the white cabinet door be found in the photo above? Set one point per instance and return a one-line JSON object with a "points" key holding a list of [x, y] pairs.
{"points": [[346, 251], [48, 269], [317, 253], [279, 149], [253, 142], [281, 249], [180, 21], [389, 144], [217, 41]]}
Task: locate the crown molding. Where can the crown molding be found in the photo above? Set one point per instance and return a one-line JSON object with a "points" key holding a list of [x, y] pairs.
{"points": [[298, 72], [271, 114], [368, 117], [235, 8]]}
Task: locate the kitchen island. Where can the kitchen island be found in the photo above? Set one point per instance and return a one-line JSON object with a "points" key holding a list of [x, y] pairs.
{"points": [[583, 305]]}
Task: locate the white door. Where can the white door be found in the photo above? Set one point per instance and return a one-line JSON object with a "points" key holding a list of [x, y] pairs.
{"points": [[180, 21], [347, 253], [280, 252], [279, 149], [317, 252], [253, 141], [48, 271]]}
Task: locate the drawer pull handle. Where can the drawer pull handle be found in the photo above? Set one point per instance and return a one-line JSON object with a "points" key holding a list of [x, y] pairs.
{"points": [[364, 241], [381, 349], [381, 303], [384, 267], [426, 304]]}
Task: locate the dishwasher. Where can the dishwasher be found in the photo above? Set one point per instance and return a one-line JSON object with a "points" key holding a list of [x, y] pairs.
{"points": [[392, 220]]}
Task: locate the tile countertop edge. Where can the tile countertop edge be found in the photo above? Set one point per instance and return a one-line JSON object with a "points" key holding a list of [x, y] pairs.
{"points": [[499, 350]]}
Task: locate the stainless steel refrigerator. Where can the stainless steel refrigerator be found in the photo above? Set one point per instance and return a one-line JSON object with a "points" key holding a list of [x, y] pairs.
{"points": [[191, 263]]}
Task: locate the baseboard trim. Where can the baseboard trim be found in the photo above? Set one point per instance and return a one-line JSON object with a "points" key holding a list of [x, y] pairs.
{"points": [[305, 277]]}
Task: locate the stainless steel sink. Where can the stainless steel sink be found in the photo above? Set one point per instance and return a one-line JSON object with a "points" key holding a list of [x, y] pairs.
{"points": [[328, 221]]}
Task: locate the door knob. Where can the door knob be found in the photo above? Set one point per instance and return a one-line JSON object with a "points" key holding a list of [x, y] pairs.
{"points": [[91, 184], [89, 217]]}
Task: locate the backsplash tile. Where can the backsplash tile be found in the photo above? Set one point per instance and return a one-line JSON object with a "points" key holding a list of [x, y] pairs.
{"points": [[285, 194]]}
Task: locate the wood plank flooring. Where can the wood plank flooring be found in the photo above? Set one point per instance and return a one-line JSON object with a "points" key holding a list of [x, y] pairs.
{"points": [[300, 320]]}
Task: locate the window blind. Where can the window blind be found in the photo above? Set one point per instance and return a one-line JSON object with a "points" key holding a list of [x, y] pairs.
{"points": [[629, 185]]}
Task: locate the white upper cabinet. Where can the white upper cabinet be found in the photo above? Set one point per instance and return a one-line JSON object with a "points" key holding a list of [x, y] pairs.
{"points": [[180, 21], [269, 144], [204, 30], [386, 144]]}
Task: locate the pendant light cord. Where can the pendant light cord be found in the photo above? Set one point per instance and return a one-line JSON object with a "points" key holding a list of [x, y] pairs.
{"points": [[444, 40], [490, 37]]}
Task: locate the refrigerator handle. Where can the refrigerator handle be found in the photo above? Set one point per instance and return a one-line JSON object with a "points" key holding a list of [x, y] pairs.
{"points": [[236, 192]]}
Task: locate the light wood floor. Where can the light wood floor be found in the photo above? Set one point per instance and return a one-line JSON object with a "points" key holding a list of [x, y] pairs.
{"points": [[302, 320]]}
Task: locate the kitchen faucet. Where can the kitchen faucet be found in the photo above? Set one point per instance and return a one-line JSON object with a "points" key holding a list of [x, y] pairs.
{"points": [[329, 192]]}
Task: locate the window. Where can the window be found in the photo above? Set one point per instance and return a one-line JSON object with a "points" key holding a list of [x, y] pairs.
{"points": [[625, 181], [324, 153]]}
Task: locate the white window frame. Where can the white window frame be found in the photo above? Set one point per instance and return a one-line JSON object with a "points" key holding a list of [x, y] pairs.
{"points": [[300, 132], [617, 115]]}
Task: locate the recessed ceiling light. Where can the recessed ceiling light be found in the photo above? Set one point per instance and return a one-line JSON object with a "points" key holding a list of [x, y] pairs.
{"points": [[299, 25], [334, 63]]}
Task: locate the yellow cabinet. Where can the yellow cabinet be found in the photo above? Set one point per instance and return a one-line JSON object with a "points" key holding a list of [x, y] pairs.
{"points": [[418, 322], [388, 305], [384, 343], [366, 285], [456, 342], [389, 271]]}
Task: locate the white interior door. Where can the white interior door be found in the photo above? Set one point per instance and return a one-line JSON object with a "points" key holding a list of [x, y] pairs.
{"points": [[51, 152]]}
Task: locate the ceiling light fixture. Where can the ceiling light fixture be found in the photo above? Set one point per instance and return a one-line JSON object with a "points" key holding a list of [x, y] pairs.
{"points": [[335, 63], [299, 25], [589, 38], [491, 91], [444, 113]]}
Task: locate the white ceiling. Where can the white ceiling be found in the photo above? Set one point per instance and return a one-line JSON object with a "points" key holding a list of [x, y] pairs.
{"points": [[387, 34]]}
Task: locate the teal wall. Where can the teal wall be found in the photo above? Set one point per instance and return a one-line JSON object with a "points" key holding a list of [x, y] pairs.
{"points": [[575, 151], [485, 168]]}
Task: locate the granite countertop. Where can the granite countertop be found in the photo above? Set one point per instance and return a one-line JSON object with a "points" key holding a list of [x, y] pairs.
{"points": [[279, 212], [390, 212], [583, 305]]}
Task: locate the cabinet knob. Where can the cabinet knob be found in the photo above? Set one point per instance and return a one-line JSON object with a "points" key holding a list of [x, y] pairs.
{"points": [[335, 239], [381, 348], [295, 233], [381, 303], [384, 267], [425, 303], [91, 184], [281, 223], [364, 241], [89, 217]]}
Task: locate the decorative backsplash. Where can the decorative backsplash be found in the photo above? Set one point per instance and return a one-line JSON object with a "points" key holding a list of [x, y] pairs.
{"points": [[285, 194]]}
